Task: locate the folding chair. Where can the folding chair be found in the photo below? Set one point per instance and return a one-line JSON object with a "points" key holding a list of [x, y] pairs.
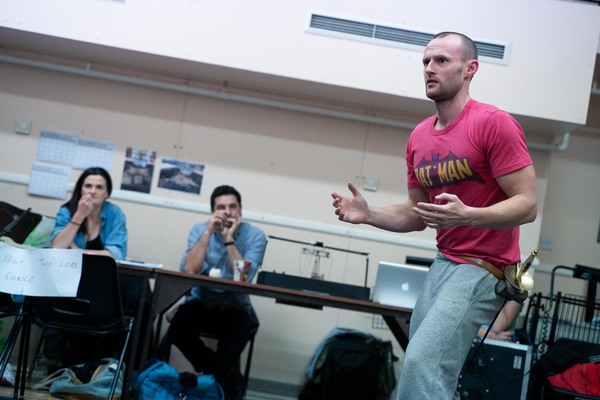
{"points": [[95, 311]]}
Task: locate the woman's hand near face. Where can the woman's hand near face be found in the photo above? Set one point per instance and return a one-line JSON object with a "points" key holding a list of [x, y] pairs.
{"points": [[85, 205]]}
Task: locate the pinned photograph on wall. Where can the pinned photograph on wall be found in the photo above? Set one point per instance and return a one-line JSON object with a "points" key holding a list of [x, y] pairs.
{"points": [[138, 170], [181, 175]]}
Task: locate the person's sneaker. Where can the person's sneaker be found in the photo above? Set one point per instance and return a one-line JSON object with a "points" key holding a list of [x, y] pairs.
{"points": [[8, 378]]}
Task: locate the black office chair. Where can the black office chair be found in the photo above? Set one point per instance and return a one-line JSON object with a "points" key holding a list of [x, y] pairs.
{"points": [[95, 311], [164, 353], [22, 228]]}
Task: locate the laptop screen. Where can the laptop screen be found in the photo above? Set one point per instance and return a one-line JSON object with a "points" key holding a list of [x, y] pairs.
{"points": [[398, 284]]}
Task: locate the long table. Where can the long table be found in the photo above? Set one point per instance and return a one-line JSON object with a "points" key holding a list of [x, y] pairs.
{"points": [[170, 286]]}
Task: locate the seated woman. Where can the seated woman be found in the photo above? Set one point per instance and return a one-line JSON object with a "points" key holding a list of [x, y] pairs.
{"points": [[91, 223], [88, 221]]}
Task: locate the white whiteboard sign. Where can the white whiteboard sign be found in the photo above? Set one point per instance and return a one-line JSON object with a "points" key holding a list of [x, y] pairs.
{"points": [[39, 272]]}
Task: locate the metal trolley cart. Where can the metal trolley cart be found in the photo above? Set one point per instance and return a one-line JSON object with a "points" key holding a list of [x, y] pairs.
{"points": [[563, 327]]}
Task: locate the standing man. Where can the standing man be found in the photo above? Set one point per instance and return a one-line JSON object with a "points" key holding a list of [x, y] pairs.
{"points": [[471, 178], [214, 246]]}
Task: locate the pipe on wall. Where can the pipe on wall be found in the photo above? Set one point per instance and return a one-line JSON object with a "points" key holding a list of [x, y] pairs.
{"points": [[223, 95]]}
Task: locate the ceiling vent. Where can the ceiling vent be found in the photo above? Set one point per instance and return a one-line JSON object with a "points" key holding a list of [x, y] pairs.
{"points": [[495, 52]]}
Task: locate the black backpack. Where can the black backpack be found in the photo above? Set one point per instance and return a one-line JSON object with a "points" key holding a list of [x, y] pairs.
{"points": [[355, 367]]}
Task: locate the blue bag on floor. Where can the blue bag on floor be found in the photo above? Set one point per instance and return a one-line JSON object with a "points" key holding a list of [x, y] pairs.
{"points": [[161, 381]]}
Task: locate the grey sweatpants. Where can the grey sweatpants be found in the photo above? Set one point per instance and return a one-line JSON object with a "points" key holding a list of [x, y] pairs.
{"points": [[455, 301]]}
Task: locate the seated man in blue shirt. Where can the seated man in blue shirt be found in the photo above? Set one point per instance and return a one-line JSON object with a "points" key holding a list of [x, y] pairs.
{"points": [[213, 247]]}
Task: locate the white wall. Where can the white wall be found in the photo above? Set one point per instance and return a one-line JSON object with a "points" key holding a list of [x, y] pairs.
{"points": [[572, 212], [547, 39]]}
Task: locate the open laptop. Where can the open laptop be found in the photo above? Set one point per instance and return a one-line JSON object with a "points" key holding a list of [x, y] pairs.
{"points": [[398, 284]]}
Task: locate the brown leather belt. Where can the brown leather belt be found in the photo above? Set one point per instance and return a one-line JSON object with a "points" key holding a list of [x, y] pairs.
{"points": [[488, 266]]}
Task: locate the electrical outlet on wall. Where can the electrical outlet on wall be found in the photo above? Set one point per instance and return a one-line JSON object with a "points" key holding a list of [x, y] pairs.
{"points": [[371, 183], [23, 127]]}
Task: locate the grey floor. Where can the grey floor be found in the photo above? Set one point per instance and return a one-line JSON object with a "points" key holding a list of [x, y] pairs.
{"points": [[252, 395], [262, 389]]}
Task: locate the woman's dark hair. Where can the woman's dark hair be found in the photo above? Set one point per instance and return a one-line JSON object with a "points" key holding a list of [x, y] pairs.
{"points": [[222, 191], [74, 201]]}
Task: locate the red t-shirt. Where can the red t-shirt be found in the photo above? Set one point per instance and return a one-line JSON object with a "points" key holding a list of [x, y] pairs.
{"points": [[464, 159]]}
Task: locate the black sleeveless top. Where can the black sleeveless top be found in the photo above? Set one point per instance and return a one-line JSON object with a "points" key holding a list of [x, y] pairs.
{"points": [[95, 244]]}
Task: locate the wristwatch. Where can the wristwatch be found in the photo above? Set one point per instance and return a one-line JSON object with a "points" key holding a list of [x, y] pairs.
{"points": [[229, 243]]}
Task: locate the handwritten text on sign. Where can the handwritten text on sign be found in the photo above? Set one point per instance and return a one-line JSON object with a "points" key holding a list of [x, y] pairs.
{"points": [[39, 272]]}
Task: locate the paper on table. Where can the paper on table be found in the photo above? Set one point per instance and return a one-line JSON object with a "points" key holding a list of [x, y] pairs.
{"points": [[139, 264]]}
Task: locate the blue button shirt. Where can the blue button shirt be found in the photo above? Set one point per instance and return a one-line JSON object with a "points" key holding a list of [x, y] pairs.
{"points": [[113, 232], [251, 242]]}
